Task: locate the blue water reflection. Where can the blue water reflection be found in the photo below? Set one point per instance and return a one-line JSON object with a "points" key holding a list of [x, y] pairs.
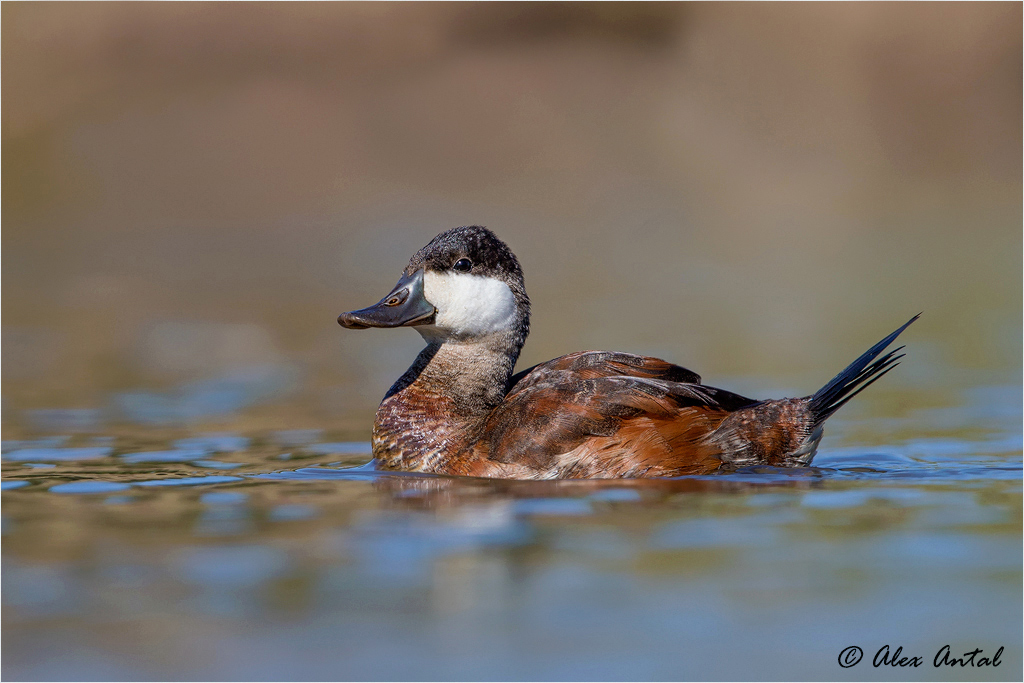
{"points": [[164, 456], [57, 454], [89, 487]]}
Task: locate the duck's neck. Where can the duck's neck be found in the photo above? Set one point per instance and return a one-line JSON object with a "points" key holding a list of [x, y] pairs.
{"points": [[435, 411]]}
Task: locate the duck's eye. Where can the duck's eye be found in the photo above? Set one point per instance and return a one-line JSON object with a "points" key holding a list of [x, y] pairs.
{"points": [[463, 265]]}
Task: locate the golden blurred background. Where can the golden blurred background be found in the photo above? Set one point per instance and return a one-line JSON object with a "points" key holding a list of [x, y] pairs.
{"points": [[192, 192]]}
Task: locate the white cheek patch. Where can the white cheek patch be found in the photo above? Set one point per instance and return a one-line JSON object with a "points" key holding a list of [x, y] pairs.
{"points": [[469, 304]]}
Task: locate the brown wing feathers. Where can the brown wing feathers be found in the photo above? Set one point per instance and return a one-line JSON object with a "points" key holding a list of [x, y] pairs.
{"points": [[594, 364], [609, 414]]}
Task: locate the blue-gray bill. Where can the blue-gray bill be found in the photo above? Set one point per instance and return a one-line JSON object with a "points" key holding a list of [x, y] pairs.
{"points": [[404, 305]]}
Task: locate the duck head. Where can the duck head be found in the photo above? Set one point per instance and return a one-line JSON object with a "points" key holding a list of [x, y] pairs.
{"points": [[466, 285]]}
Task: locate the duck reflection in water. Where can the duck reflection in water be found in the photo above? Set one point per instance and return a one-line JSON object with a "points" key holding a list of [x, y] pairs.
{"points": [[420, 492]]}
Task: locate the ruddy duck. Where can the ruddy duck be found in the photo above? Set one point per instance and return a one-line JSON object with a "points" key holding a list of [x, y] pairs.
{"points": [[592, 414]]}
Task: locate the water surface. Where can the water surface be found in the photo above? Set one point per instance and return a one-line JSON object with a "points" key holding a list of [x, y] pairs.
{"points": [[285, 555]]}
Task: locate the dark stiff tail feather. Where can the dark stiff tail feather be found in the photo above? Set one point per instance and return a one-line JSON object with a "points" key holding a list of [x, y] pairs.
{"points": [[860, 374]]}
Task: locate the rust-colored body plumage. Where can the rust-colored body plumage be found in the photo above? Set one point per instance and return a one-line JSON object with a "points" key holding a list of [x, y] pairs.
{"points": [[590, 415]]}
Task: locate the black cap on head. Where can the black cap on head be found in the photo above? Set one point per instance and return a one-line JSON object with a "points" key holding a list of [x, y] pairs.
{"points": [[487, 255]]}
